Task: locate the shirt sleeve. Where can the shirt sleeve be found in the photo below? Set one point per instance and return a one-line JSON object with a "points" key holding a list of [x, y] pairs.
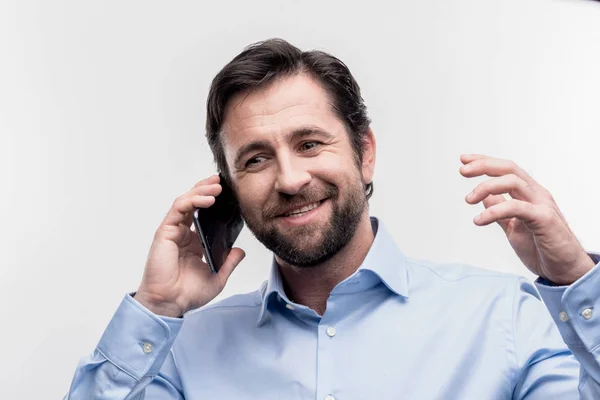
{"points": [[132, 360], [575, 310], [544, 368]]}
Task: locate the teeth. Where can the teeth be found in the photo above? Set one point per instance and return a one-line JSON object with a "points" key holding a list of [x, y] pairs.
{"points": [[301, 211]]}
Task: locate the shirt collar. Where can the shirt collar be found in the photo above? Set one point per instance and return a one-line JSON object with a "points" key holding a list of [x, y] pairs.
{"points": [[384, 263]]}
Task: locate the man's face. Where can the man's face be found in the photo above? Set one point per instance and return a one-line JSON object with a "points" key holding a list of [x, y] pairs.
{"points": [[297, 178]]}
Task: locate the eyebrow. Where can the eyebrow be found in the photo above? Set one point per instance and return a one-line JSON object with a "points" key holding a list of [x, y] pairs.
{"points": [[292, 137], [250, 147], [309, 131]]}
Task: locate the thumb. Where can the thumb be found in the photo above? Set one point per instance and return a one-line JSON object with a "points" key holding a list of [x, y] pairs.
{"points": [[235, 256]]}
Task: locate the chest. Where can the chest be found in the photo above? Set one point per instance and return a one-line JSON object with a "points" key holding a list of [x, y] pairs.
{"points": [[380, 349]]}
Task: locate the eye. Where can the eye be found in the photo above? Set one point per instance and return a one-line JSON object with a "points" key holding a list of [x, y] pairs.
{"points": [[254, 161], [307, 146]]}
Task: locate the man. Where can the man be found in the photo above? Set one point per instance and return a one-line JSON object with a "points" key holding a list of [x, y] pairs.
{"points": [[344, 314]]}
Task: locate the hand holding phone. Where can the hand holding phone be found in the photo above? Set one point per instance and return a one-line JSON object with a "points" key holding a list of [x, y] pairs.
{"points": [[218, 227], [176, 278]]}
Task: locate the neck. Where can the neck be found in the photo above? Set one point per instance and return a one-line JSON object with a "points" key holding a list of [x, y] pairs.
{"points": [[311, 286]]}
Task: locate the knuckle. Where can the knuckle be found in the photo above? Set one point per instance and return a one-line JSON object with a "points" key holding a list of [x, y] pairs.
{"points": [[493, 212], [513, 183], [514, 179], [179, 202], [545, 192], [547, 212], [514, 204], [529, 206], [164, 231], [525, 185]]}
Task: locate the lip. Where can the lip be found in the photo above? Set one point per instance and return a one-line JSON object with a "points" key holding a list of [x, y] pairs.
{"points": [[306, 218], [290, 209]]}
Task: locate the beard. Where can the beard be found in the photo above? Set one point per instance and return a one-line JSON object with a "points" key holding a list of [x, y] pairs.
{"points": [[297, 246]]}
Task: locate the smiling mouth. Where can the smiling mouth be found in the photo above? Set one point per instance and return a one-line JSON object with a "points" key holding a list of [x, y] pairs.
{"points": [[302, 210]]}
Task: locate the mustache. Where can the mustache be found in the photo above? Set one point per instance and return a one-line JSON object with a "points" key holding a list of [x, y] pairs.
{"points": [[284, 203]]}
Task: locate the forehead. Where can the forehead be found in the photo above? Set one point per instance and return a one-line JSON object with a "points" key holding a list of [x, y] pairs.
{"points": [[279, 108]]}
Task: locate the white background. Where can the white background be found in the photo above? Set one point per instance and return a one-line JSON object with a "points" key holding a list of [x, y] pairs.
{"points": [[102, 127]]}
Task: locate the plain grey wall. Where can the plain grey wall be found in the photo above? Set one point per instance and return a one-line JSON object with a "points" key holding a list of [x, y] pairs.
{"points": [[101, 127]]}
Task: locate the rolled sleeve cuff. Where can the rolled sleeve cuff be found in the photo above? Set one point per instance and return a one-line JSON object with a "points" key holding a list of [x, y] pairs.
{"points": [[576, 308], [138, 341]]}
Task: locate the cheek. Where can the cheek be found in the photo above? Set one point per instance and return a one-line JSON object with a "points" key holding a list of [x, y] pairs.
{"points": [[340, 170], [253, 191]]}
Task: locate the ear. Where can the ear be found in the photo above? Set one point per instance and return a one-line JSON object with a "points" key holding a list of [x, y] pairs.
{"points": [[368, 159]]}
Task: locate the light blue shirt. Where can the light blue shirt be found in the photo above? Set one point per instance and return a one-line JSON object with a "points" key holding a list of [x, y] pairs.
{"points": [[398, 328]]}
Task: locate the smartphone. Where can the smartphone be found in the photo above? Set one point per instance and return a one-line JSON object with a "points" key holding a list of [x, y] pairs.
{"points": [[219, 226]]}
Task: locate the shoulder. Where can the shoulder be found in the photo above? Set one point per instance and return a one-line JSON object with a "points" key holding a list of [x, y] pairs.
{"points": [[462, 278], [218, 323], [236, 308]]}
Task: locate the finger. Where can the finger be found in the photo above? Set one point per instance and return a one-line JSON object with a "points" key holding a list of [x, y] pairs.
{"points": [[495, 167], [183, 214], [513, 208], [204, 190], [235, 256], [189, 220], [183, 236], [212, 189], [192, 242], [492, 200], [179, 212], [510, 184], [210, 180], [467, 158]]}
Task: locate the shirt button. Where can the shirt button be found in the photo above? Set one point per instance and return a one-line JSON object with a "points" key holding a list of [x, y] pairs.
{"points": [[587, 313], [291, 307], [147, 348], [329, 397], [330, 333], [563, 316]]}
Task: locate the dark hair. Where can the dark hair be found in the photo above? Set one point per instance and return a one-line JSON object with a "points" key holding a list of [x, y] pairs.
{"points": [[264, 62]]}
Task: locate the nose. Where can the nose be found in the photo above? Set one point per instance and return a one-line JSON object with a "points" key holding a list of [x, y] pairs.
{"points": [[291, 177]]}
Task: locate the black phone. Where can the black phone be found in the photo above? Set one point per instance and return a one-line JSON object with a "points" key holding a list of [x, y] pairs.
{"points": [[219, 226]]}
